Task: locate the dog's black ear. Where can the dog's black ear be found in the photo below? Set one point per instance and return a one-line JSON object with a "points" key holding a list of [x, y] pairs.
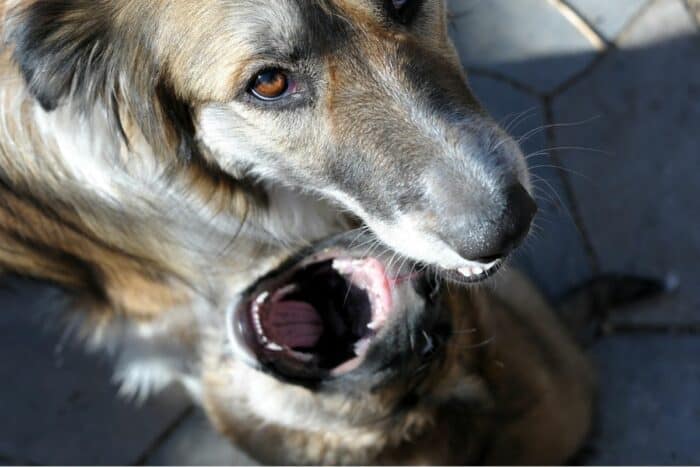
{"points": [[72, 48], [57, 44]]}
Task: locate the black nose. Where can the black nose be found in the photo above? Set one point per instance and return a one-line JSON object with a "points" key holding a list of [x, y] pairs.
{"points": [[513, 226]]}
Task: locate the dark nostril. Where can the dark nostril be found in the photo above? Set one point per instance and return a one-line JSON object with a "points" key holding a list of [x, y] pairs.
{"points": [[512, 226], [518, 215], [521, 204]]}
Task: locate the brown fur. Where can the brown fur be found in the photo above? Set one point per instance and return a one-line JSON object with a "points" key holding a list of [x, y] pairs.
{"points": [[164, 229], [511, 389], [49, 230]]}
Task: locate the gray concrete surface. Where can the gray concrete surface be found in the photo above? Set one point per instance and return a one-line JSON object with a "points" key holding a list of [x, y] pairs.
{"points": [[58, 405], [650, 410], [619, 80], [195, 443], [646, 97]]}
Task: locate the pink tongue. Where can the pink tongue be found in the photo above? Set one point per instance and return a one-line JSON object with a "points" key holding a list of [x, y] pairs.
{"points": [[293, 324]]}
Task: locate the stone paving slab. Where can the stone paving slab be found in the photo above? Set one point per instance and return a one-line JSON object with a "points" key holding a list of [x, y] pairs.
{"points": [[649, 407], [195, 442], [60, 408], [526, 40], [609, 17], [553, 254], [640, 203], [694, 6]]}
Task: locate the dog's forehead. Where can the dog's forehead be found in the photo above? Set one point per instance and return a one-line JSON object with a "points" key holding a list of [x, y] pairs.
{"points": [[284, 23], [283, 27]]}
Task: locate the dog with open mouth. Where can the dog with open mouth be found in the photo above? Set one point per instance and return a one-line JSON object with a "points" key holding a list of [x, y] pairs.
{"points": [[157, 157], [340, 357]]}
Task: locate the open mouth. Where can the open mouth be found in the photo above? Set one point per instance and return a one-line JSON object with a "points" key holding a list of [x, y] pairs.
{"points": [[318, 317]]}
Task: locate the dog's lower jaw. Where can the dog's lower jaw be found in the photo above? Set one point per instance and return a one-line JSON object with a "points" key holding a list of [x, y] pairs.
{"points": [[512, 388], [282, 423]]}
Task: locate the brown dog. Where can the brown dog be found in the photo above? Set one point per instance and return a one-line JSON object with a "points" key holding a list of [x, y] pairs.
{"points": [[157, 157]]}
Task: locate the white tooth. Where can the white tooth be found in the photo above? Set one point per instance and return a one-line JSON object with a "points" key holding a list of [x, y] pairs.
{"points": [[361, 346], [340, 265], [343, 266], [376, 324], [256, 319], [286, 290], [273, 346], [261, 298], [466, 272], [289, 288], [477, 271]]}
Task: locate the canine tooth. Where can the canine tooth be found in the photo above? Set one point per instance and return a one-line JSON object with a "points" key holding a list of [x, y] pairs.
{"points": [[257, 323], [289, 288], [477, 271], [361, 346], [286, 290], [262, 297], [343, 266], [273, 346]]}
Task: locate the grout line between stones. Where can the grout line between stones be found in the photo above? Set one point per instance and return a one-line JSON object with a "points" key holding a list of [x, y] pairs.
{"points": [[569, 194], [164, 435], [633, 20], [496, 75], [599, 312], [694, 11], [611, 46], [587, 29], [604, 48], [587, 70]]}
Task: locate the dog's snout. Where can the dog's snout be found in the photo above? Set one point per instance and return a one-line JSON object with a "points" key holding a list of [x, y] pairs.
{"points": [[512, 227], [490, 227]]}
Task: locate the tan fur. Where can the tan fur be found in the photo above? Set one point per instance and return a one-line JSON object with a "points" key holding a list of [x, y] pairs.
{"points": [[136, 181]]}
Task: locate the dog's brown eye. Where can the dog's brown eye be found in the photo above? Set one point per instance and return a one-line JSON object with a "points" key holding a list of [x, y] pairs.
{"points": [[270, 85]]}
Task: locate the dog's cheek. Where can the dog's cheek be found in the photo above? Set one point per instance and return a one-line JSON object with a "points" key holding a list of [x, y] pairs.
{"points": [[278, 146]]}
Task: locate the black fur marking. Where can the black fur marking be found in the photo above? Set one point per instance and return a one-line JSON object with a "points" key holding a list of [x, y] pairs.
{"points": [[90, 278], [70, 48], [57, 50], [180, 115], [406, 13]]}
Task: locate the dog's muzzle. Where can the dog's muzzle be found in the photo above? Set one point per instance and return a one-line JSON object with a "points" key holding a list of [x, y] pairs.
{"points": [[318, 315]]}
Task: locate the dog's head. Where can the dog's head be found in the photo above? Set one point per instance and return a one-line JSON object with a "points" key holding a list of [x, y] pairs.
{"points": [[339, 356], [361, 101]]}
